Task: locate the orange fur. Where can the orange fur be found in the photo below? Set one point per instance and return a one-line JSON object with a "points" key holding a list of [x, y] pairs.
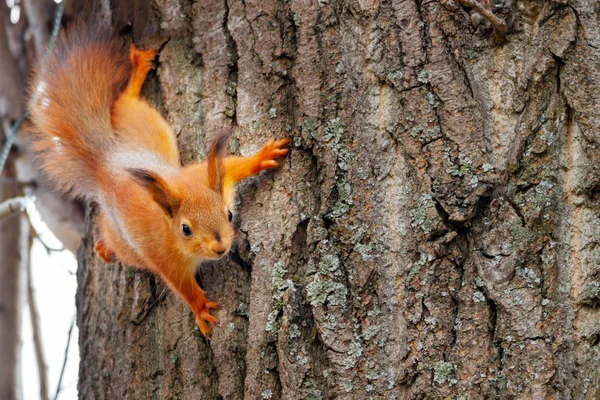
{"points": [[155, 214]]}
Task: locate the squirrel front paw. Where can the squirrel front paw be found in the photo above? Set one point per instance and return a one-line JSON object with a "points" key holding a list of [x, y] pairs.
{"points": [[203, 317], [265, 158]]}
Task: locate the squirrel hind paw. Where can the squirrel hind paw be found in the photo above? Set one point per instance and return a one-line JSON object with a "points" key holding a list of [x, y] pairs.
{"points": [[140, 58], [103, 252]]}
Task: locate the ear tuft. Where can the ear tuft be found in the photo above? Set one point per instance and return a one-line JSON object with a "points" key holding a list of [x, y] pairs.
{"points": [[216, 170], [160, 191]]}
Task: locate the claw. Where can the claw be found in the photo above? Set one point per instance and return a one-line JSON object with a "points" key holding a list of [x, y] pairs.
{"points": [[209, 319], [140, 58], [282, 142], [211, 305], [203, 318], [269, 164], [204, 329]]}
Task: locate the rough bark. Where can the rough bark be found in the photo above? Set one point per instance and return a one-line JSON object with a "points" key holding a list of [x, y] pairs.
{"points": [[14, 233], [432, 234]]}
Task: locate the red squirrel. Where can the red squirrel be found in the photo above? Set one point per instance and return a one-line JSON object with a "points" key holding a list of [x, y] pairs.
{"points": [[95, 138]]}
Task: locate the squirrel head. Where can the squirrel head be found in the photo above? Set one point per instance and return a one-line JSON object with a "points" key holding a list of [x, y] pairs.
{"points": [[200, 220]]}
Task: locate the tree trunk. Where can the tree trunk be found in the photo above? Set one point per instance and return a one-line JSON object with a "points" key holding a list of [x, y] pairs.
{"points": [[433, 233], [14, 256], [14, 231]]}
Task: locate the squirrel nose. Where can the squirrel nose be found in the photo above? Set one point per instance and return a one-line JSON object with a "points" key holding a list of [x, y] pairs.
{"points": [[218, 247]]}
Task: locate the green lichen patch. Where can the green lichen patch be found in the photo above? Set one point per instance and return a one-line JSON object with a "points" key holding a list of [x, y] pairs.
{"points": [[425, 134], [537, 202], [589, 294], [308, 128], [365, 250], [424, 75], [344, 192], [310, 389], [294, 332], [355, 354], [333, 130], [529, 275], [344, 201], [419, 214], [461, 168], [370, 332], [443, 373], [323, 291], [329, 263], [278, 287], [416, 267], [242, 309], [395, 77], [520, 234]]}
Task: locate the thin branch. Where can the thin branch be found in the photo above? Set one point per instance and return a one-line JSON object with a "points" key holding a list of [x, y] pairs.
{"points": [[37, 337], [39, 238], [48, 248], [60, 8], [498, 23], [10, 138], [11, 207], [62, 371]]}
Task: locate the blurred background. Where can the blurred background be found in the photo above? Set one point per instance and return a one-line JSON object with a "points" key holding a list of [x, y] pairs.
{"points": [[54, 283], [39, 355]]}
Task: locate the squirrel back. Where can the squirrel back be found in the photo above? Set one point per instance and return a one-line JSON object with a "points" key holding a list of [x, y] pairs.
{"points": [[72, 94]]}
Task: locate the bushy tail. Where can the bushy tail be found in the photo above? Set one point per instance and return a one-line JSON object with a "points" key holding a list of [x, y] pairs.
{"points": [[72, 93]]}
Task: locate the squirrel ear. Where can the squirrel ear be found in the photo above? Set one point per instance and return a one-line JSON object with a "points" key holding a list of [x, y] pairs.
{"points": [[158, 188], [216, 169]]}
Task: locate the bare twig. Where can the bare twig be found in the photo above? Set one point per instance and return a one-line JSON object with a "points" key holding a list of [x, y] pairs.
{"points": [[60, 8], [17, 205], [48, 248], [62, 371], [37, 337], [498, 23], [10, 138], [11, 207], [38, 237]]}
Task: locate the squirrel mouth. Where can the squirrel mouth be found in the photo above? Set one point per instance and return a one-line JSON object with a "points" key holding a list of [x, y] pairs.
{"points": [[222, 255]]}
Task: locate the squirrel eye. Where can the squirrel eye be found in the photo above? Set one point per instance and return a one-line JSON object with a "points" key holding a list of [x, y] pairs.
{"points": [[229, 216], [186, 230]]}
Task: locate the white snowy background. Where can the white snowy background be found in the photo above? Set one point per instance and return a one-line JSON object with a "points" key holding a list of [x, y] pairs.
{"points": [[54, 283]]}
